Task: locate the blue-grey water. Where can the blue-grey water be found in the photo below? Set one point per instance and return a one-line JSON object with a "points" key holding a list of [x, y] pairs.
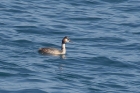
{"points": [[103, 57]]}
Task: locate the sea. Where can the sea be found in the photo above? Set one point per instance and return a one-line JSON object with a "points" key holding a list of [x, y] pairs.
{"points": [[102, 57]]}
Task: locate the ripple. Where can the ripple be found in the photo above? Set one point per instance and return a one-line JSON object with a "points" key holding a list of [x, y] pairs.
{"points": [[29, 91], [22, 41], [90, 2], [14, 10], [32, 30], [2, 23], [110, 39], [32, 80], [25, 27], [129, 8], [5, 74], [134, 25], [112, 62], [116, 1], [134, 46], [86, 19]]}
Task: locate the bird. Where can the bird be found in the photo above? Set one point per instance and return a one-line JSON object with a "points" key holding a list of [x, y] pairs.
{"points": [[54, 51]]}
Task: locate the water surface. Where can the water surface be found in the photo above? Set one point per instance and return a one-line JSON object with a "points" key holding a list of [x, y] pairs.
{"points": [[103, 56]]}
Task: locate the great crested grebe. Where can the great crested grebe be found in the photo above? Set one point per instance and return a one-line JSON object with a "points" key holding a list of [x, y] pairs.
{"points": [[54, 51]]}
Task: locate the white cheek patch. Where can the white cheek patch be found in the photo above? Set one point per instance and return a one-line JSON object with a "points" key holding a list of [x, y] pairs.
{"points": [[66, 40]]}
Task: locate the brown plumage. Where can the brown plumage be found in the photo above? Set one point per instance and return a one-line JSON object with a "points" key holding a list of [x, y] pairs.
{"points": [[54, 51]]}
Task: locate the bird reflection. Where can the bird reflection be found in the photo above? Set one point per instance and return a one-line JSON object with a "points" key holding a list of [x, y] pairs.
{"points": [[63, 56]]}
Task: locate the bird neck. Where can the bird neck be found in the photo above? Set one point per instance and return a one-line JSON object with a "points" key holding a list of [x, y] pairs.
{"points": [[63, 48]]}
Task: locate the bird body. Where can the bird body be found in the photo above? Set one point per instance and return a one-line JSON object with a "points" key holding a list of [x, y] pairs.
{"points": [[55, 51]]}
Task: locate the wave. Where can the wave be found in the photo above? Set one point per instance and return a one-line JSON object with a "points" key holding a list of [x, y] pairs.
{"points": [[24, 91]]}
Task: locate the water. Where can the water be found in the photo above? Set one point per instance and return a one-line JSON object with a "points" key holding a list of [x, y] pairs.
{"points": [[103, 56]]}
